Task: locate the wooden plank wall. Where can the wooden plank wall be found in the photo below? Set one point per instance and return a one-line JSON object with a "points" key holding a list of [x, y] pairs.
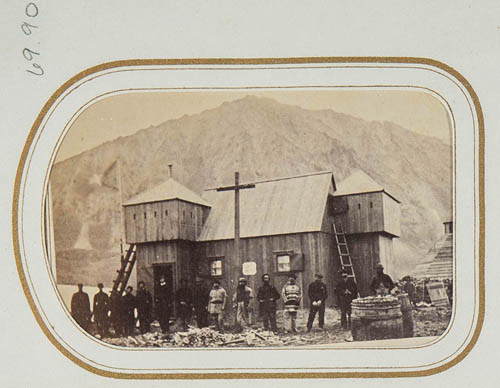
{"points": [[392, 215], [387, 254], [365, 254], [160, 221], [365, 213], [316, 249], [179, 253]]}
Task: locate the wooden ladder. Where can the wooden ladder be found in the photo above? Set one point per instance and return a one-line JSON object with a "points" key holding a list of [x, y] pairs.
{"points": [[343, 249], [120, 283]]}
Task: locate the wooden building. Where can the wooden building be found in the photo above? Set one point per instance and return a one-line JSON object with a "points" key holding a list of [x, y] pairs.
{"points": [[285, 227], [165, 223], [371, 219]]}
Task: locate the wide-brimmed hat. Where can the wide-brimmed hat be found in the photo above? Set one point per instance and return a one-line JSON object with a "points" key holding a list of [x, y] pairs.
{"points": [[379, 266]]}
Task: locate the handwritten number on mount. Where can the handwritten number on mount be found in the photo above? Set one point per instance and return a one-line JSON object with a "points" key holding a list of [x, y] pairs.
{"points": [[31, 11]]}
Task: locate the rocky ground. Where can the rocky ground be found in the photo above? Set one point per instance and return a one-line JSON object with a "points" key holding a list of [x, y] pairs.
{"points": [[429, 321]]}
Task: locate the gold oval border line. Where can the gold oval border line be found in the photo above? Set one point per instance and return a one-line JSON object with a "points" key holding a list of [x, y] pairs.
{"points": [[256, 61]]}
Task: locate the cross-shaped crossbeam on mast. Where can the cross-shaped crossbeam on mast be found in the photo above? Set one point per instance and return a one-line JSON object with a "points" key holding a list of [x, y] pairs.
{"points": [[236, 188]]}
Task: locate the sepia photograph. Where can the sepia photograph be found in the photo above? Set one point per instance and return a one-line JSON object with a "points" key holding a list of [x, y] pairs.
{"points": [[255, 218]]}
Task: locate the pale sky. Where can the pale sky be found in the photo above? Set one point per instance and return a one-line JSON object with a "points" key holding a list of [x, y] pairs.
{"points": [[125, 114]]}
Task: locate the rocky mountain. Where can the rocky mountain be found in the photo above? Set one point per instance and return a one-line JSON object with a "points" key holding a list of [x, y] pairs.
{"points": [[260, 138]]}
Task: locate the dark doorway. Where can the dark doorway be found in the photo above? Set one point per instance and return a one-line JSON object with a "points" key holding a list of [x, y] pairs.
{"points": [[166, 270]]}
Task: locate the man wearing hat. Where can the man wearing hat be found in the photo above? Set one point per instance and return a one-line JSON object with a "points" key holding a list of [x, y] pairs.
{"points": [[346, 291], [292, 294], [243, 303], [267, 297], [144, 306], [217, 304], [100, 310], [163, 299], [80, 308], [317, 296], [381, 283]]}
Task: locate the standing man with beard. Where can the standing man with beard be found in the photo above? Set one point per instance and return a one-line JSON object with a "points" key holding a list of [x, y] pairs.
{"points": [[317, 295], [163, 304], [128, 311], [346, 292], [217, 304], [144, 303], [267, 297], [243, 302], [100, 310]]}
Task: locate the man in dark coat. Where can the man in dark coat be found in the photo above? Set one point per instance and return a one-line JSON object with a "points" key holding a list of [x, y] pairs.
{"points": [[200, 303], [317, 295], [267, 297], [100, 310], [346, 291], [115, 302], [381, 283], [184, 303], [128, 311], [144, 302], [80, 308], [163, 303]]}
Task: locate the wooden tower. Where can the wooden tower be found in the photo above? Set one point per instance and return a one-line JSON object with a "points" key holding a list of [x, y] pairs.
{"points": [[370, 218], [164, 223]]}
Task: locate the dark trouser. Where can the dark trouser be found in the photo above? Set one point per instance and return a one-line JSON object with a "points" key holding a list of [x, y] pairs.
{"points": [[144, 320], [269, 317], [83, 321], [129, 324], [164, 319], [185, 315], [312, 314], [201, 316], [345, 314], [118, 326], [101, 322]]}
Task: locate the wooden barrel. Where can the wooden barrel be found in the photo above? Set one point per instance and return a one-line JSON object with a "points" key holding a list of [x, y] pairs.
{"points": [[407, 313], [376, 317]]}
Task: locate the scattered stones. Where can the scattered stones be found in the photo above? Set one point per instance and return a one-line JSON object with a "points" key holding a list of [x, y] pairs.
{"points": [[429, 321]]}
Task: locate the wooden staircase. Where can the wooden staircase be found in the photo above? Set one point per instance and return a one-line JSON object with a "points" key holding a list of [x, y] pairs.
{"points": [[343, 250], [123, 274]]}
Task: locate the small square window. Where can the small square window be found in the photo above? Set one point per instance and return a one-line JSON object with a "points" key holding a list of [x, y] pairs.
{"points": [[216, 267], [144, 214], [284, 263], [155, 214], [166, 213], [134, 216], [371, 205], [359, 206]]}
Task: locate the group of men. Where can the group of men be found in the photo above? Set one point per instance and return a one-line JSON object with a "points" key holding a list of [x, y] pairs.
{"points": [[208, 306]]}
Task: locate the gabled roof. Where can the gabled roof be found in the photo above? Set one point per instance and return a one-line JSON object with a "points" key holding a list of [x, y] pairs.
{"points": [[279, 206], [170, 189], [360, 182]]}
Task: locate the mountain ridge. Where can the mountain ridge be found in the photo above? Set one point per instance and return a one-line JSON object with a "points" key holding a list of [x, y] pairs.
{"points": [[260, 138]]}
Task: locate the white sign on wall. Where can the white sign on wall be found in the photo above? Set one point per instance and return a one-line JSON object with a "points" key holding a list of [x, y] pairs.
{"points": [[249, 268]]}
